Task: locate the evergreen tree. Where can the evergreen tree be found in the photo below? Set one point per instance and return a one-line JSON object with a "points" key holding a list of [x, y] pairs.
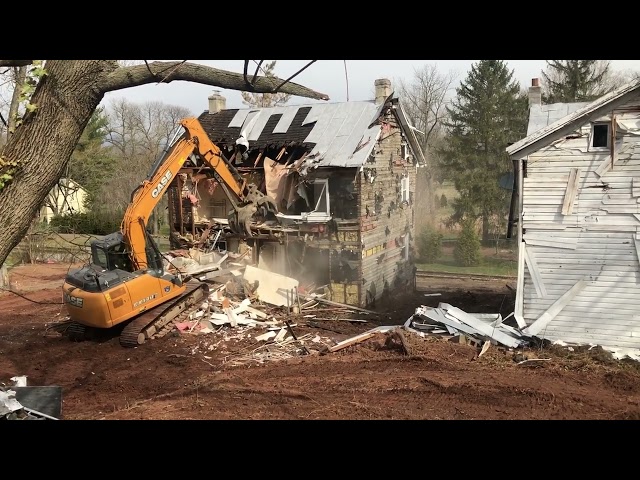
{"points": [[91, 163], [488, 113], [262, 100], [467, 249], [570, 81]]}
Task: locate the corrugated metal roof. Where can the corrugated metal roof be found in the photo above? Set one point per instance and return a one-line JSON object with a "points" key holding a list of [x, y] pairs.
{"points": [[338, 134], [335, 134], [339, 130], [541, 116]]}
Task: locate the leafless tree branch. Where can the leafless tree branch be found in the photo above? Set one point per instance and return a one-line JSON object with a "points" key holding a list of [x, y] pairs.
{"points": [[125, 77]]}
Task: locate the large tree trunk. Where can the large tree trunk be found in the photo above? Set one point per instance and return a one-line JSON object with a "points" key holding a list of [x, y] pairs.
{"points": [[43, 144], [36, 155]]}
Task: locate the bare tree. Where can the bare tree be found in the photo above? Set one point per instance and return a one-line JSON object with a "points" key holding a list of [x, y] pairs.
{"points": [[11, 80], [19, 79], [263, 100], [139, 135], [65, 97], [424, 98], [60, 198], [618, 78]]}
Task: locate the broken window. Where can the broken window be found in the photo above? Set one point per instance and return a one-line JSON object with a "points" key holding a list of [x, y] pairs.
{"points": [[600, 135], [405, 189], [404, 151], [321, 195], [316, 196], [344, 203]]}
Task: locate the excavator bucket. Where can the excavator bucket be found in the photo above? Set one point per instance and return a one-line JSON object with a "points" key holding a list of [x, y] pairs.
{"points": [[256, 207]]}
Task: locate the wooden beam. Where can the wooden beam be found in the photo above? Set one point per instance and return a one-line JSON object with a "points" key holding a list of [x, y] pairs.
{"points": [[570, 243], [338, 304], [359, 338], [530, 260], [555, 309], [571, 191], [608, 163]]}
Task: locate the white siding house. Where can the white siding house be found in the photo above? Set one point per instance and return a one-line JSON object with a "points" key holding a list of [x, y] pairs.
{"points": [[65, 198], [578, 221]]}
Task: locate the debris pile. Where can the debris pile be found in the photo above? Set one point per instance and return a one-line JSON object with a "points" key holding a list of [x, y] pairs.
{"points": [[14, 401], [478, 327], [255, 304]]}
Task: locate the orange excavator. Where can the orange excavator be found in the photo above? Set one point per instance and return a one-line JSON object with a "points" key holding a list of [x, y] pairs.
{"points": [[126, 280]]}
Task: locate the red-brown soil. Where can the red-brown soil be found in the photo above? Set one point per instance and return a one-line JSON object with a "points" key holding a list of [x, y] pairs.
{"points": [[217, 376]]}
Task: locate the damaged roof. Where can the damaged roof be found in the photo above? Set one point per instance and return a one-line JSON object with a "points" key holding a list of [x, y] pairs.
{"points": [[336, 134], [571, 122], [541, 116]]}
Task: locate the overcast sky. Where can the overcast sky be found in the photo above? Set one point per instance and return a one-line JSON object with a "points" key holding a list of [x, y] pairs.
{"points": [[326, 76]]}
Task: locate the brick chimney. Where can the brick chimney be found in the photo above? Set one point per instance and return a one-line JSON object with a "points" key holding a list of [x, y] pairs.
{"points": [[217, 102], [535, 92], [383, 89]]}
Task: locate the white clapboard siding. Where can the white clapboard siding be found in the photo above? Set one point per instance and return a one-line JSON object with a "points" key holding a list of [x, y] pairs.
{"points": [[635, 187], [565, 239], [632, 168], [588, 260]]}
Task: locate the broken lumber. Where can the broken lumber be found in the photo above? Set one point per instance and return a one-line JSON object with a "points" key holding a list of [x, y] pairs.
{"points": [[358, 338], [356, 320], [338, 304]]}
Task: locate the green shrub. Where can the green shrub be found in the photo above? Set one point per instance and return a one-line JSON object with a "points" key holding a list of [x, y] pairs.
{"points": [[90, 223], [467, 250], [429, 245], [443, 200]]}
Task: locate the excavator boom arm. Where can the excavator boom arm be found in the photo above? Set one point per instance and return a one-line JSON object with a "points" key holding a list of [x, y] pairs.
{"points": [[147, 196], [150, 191]]}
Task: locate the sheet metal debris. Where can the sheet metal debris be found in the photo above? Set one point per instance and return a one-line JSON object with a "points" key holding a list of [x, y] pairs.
{"points": [[481, 327]]}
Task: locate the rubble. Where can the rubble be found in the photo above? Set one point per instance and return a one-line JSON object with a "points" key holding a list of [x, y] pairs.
{"points": [[251, 302], [479, 328], [14, 401], [259, 304]]}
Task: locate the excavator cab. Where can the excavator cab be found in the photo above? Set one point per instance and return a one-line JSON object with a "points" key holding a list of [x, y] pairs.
{"points": [[111, 253]]}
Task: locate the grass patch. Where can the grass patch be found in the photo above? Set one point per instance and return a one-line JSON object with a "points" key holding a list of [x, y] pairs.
{"points": [[488, 266]]}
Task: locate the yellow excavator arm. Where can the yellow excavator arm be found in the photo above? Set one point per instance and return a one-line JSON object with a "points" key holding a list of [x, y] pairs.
{"points": [[144, 199]]}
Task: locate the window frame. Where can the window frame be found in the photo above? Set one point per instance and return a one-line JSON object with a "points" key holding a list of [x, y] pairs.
{"points": [[404, 188], [606, 147]]}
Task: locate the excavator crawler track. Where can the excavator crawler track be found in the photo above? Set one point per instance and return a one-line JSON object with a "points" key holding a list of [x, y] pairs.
{"points": [[76, 332], [145, 326]]}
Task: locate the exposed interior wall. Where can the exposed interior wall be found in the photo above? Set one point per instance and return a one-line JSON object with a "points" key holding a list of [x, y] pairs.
{"points": [[387, 216]]}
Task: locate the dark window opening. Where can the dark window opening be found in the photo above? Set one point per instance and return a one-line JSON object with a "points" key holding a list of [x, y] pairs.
{"points": [[600, 135]]}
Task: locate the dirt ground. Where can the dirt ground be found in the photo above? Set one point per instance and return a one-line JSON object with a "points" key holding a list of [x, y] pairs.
{"points": [[217, 376]]}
